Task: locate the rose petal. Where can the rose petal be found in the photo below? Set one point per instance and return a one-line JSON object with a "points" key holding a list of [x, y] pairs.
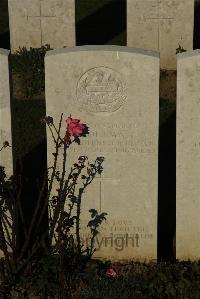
{"points": [[68, 120], [110, 272], [75, 120]]}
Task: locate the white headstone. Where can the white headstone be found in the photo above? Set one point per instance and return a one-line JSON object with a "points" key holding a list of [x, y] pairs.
{"points": [[6, 157], [188, 156], [161, 25], [34, 23], [115, 91]]}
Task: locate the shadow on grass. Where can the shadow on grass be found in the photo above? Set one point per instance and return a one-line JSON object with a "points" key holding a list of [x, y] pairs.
{"points": [[32, 173], [5, 40], [167, 189], [103, 25], [30, 161]]}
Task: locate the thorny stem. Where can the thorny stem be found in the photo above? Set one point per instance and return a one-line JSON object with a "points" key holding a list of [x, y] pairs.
{"points": [[5, 145], [34, 219], [36, 246], [58, 132], [54, 139], [53, 170], [4, 222], [5, 249], [73, 203], [60, 194], [41, 193], [22, 218], [17, 204], [65, 192], [40, 200], [81, 190], [78, 220], [65, 189]]}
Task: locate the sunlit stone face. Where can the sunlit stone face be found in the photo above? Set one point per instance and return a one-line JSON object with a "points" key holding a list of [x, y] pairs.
{"points": [[188, 157], [34, 23], [104, 87], [161, 25]]}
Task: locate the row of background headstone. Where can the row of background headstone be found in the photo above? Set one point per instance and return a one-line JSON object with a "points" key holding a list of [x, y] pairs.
{"points": [[154, 25], [91, 28]]}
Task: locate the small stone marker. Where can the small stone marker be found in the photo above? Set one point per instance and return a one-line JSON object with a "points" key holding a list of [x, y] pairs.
{"points": [[34, 23], [6, 158], [115, 91], [188, 156], [161, 25]]}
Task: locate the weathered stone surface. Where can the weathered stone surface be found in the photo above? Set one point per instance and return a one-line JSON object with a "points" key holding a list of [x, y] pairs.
{"points": [[34, 23], [161, 25], [115, 90], [188, 156], [6, 159]]}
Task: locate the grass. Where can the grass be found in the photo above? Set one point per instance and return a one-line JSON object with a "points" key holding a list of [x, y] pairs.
{"points": [[134, 280], [179, 280]]}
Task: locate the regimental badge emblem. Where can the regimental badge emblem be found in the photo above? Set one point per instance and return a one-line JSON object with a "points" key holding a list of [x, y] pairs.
{"points": [[101, 89]]}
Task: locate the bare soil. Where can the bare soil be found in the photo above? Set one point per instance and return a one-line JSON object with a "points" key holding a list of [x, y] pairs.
{"points": [[18, 91], [168, 85]]}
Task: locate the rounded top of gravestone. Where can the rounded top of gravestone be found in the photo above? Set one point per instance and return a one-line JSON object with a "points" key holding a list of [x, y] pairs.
{"points": [[104, 48], [189, 53]]}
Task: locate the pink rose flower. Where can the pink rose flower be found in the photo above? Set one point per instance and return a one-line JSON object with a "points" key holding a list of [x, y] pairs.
{"points": [[110, 272], [74, 127]]}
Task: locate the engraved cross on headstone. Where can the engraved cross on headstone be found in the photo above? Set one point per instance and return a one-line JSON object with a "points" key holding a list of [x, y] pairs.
{"points": [[40, 17], [101, 180], [159, 18]]}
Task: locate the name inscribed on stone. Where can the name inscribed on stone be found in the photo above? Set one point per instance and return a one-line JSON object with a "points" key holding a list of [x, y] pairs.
{"points": [[117, 138]]}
